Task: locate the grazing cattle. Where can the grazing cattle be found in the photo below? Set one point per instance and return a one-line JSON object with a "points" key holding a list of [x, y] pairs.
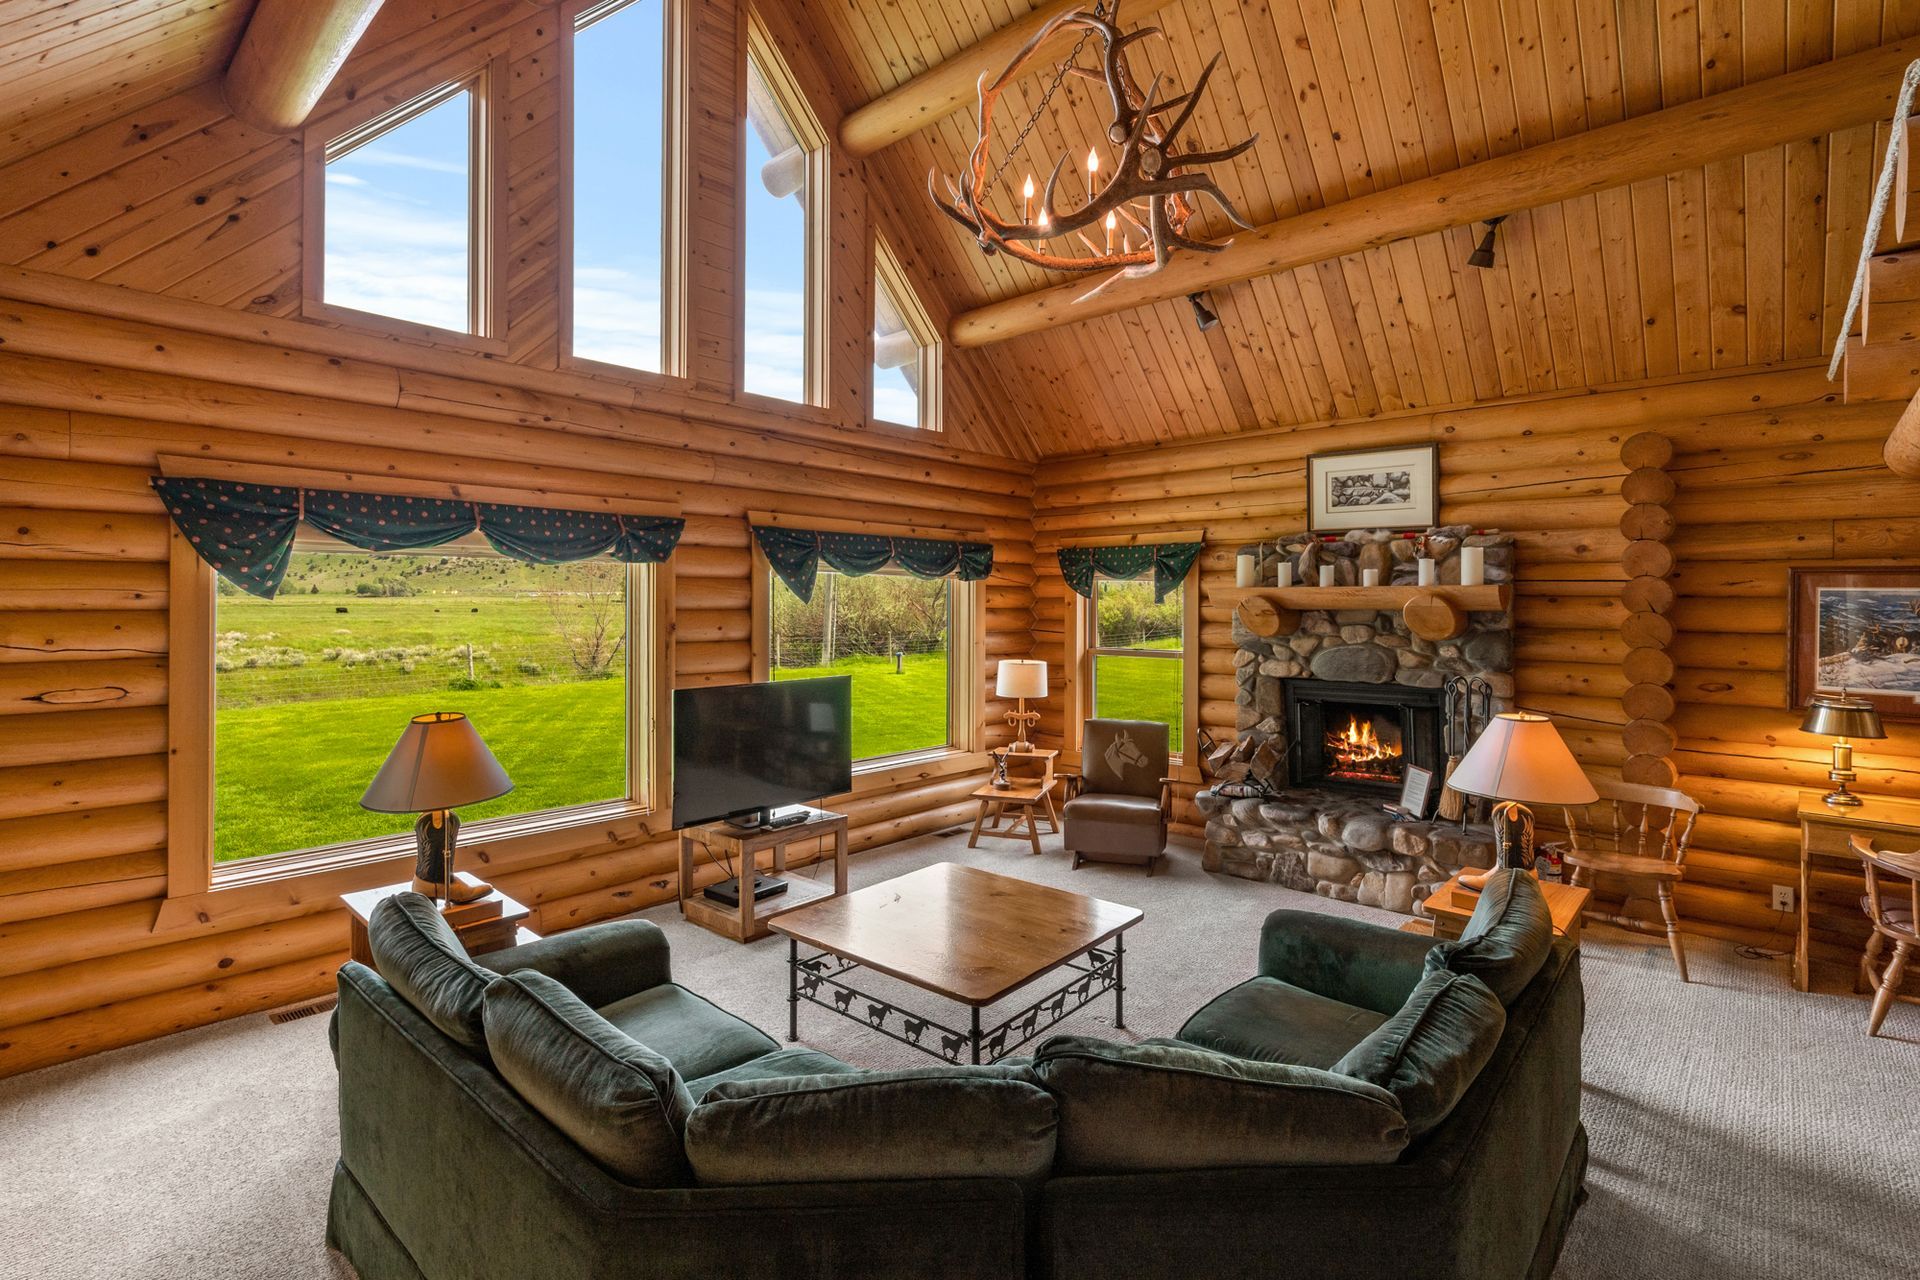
{"points": [[877, 1013], [914, 1028], [843, 999]]}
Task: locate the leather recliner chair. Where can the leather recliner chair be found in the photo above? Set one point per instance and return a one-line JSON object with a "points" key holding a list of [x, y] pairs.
{"points": [[1121, 813]]}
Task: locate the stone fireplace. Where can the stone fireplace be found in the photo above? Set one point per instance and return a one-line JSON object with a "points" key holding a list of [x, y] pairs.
{"points": [[1331, 713]]}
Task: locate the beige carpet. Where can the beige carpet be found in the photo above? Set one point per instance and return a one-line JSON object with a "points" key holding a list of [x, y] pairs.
{"points": [[1739, 1129]]}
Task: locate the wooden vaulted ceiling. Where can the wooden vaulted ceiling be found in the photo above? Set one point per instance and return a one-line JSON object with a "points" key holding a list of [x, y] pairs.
{"points": [[66, 65], [1741, 262]]}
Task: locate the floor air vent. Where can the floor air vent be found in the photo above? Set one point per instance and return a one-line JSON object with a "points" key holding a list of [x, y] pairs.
{"points": [[303, 1011]]}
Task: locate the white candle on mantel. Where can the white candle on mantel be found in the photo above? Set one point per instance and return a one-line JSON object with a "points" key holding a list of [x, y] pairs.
{"points": [[1283, 576], [1246, 570], [1369, 577], [1326, 575], [1473, 566], [1429, 571]]}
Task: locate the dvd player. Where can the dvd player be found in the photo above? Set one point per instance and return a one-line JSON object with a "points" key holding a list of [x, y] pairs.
{"points": [[728, 891]]}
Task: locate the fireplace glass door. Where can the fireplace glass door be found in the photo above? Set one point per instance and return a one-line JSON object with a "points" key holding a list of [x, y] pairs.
{"points": [[1360, 736]]}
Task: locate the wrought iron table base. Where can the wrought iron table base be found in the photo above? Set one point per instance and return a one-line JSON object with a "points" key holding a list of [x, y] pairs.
{"points": [[817, 979]]}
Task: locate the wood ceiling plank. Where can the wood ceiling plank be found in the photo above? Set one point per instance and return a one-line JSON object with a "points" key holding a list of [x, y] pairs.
{"points": [[1680, 38], [1722, 67]]}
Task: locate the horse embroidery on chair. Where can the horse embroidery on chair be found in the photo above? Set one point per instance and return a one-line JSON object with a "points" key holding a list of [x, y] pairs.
{"points": [[1122, 755]]}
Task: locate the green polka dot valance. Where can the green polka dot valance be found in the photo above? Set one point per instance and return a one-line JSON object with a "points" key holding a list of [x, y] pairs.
{"points": [[245, 531], [795, 555], [1170, 562]]}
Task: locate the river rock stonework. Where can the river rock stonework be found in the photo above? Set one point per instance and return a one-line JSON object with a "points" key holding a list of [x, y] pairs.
{"points": [[1327, 841], [1338, 845]]}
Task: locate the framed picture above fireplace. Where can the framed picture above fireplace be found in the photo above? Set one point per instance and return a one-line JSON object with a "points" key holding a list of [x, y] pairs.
{"points": [[1395, 488]]}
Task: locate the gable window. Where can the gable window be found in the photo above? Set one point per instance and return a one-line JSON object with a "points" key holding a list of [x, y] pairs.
{"points": [[404, 212], [784, 258], [1136, 650], [906, 349], [623, 184]]}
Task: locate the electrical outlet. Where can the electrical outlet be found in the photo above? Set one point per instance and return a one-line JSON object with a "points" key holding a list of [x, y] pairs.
{"points": [[1783, 897]]}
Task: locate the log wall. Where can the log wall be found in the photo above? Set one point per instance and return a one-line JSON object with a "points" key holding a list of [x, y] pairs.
{"points": [[152, 308], [1769, 470]]}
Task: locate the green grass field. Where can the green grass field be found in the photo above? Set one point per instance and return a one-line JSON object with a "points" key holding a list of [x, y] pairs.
{"points": [[891, 713]]}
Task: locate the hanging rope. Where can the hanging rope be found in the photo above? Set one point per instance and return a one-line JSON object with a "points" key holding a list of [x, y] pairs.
{"points": [[1881, 191]]}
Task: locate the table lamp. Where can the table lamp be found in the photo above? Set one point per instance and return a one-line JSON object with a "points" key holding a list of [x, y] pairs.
{"points": [[1841, 718], [439, 764], [1021, 678], [1519, 760]]}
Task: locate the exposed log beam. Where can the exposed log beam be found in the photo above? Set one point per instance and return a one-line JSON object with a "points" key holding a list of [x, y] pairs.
{"points": [[939, 91], [288, 57], [1802, 104]]}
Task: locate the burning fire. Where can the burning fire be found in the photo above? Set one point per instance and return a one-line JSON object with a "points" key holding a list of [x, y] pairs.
{"points": [[1358, 750]]}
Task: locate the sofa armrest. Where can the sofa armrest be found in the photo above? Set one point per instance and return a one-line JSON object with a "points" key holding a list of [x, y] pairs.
{"points": [[600, 963], [1351, 961]]}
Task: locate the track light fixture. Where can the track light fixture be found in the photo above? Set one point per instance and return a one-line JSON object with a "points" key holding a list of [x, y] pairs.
{"points": [[1483, 256], [1203, 315]]}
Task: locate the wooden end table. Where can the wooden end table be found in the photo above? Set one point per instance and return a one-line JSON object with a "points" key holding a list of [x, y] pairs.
{"points": [[487, 924], [1451, 905], [965, 935], [736, 846]]}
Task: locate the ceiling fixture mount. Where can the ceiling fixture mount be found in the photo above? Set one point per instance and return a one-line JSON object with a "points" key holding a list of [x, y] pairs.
{"points": [[1483, 256], [1151, 188], [1203, 315]]}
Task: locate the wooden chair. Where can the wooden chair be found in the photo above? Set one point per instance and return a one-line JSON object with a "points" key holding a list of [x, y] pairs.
{"points": [[1892, 920], [1636, 834]]}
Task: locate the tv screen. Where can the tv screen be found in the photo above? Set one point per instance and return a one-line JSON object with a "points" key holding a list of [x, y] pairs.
{"points": [[745, 747]]}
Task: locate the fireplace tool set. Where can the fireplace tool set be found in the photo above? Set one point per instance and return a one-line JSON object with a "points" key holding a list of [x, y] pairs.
{"points": [[1466, 705]]}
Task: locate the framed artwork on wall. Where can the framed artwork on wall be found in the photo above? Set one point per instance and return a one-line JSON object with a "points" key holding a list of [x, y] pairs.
{"points": [[1397, 488], [1859, 630]]}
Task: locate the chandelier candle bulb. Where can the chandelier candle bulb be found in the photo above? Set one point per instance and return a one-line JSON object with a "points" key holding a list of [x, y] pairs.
{"points": [[1326, 575], [1429, 571], [1246, 571], [1473, 566], [1026, 201], [1113, 227]]}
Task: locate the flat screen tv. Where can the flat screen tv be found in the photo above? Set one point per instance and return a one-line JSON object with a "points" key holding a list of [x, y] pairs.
{"points": [[741, 751]]}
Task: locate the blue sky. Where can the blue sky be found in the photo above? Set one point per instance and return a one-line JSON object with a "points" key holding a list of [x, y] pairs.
{"points": [[396, 225]]}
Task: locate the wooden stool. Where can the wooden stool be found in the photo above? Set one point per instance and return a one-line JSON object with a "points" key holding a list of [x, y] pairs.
{"points": [[1029, 798]]}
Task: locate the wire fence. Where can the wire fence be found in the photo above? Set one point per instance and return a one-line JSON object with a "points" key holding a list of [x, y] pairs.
{"points": [[804, 649]]}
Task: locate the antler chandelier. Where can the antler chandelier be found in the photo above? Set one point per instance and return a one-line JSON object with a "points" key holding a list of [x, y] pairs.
{"points": [[1151, 195]]}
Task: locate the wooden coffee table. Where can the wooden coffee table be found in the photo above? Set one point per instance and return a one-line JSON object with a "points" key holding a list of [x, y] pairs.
{"points": [[967, 935]]}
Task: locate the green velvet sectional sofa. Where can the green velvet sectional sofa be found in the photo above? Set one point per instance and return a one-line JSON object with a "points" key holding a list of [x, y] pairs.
{"points": [[1371, 1103]]}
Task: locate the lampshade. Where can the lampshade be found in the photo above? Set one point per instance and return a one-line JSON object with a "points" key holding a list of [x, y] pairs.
{"points": [[1522, 757], [439, 763], [1838, 716], [1021, 678]]}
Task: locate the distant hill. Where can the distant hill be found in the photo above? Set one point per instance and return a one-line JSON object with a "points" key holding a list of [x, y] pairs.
{"points": [[324, 573]]}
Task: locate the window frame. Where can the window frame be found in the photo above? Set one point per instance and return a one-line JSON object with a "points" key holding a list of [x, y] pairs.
{"points": [[966, 649], [199, 890], [1077, 664], [761, 51], [890, 274], [578, 16], [361, 122]]}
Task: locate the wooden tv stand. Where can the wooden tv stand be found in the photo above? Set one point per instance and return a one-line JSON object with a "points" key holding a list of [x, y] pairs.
{"points": [[725, 843]]}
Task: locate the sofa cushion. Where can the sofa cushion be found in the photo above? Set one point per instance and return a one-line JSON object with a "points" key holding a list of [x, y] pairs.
{"points": [[1273, 1021], [1429, 1054], [773, 1066], [692, 1033], [1506, 939], [1165, 1105], [620, 1101], [925, 1122], [420, 956]]}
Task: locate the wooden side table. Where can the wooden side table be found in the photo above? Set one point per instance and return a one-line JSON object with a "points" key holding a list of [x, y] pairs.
{"points": [[1824, 833], [728, 844], [1028, 798], [486, 924], [1450, 906]]}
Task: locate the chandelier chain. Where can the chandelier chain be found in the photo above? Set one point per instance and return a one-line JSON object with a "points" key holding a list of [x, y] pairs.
{"points": [[1059, 78]]}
